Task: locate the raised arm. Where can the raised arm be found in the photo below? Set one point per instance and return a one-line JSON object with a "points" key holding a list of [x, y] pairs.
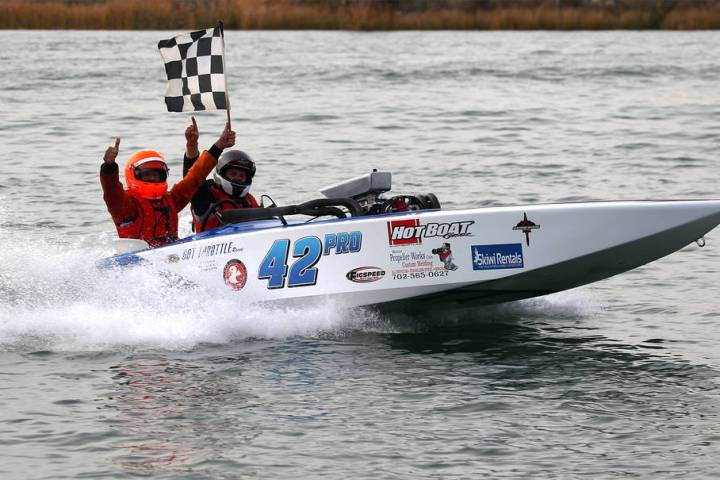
{"points": [[191, 146], [121, 206], [183, 191]]}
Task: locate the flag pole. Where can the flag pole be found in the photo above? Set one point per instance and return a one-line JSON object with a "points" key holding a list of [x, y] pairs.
{"points": [[227, 92]]}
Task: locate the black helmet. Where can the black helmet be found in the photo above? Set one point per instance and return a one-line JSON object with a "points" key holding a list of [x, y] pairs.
{"points": [[234, 159]]}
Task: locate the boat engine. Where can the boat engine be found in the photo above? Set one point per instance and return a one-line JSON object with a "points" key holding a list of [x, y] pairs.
{"points": [[358, 196], [368, 191]]}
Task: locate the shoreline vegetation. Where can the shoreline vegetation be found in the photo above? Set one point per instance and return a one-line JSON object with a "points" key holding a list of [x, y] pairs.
{"points": [[362, 15]]}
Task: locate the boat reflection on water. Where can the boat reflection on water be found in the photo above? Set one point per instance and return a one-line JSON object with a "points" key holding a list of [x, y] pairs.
{"points": [[165, 408], [502, 356]]}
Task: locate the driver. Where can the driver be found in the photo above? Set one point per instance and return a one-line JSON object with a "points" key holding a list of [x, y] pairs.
{"points": [[147, 210], [229, 187]]}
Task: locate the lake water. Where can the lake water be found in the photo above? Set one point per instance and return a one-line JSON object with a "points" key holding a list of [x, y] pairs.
{"points": [[101, 376]]}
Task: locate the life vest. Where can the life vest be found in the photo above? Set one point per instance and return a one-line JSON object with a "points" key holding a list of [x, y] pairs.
{"points": [[220, 201], [156, 221]]}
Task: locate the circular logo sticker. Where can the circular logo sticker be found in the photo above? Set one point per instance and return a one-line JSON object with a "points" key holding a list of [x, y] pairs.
{"points": [[235, 274]]}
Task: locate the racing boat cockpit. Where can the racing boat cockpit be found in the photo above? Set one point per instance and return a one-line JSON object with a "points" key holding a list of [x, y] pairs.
{"points": [[359, 196]]}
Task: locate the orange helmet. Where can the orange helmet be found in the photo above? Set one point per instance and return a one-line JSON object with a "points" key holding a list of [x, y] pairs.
{"points": [[139, 165]]}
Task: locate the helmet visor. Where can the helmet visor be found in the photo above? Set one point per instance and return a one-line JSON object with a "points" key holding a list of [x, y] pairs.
{"points": [[151, 175], [235, 174]]}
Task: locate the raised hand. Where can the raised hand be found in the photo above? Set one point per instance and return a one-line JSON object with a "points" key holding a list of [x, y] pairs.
{"points": [[192, 134], [227, 138], [112, 152]]}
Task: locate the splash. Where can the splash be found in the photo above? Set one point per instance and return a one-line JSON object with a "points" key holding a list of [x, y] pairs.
{"points": [[53, 297]]}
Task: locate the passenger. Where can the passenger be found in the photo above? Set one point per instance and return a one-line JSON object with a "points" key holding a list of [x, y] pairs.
{"points": [[229, 187], [147, 210]]}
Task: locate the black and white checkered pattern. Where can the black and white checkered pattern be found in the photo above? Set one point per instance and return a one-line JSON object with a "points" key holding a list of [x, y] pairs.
{"points": [[195, 69]]}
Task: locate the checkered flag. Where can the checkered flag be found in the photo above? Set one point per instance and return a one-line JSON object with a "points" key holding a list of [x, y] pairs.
{"points": [[195, 67]]}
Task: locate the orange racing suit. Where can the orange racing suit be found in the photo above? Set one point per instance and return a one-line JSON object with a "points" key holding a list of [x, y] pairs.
{"points": [[154, 221]]}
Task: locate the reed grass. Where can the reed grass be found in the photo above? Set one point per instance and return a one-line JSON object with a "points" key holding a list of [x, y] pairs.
{"points": [[286, 15]]}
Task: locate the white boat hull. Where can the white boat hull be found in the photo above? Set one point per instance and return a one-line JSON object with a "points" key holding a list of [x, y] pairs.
{"points": [[495, 254]]}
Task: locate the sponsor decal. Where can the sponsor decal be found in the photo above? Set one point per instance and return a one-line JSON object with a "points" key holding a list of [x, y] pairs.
{"points": [[173, 258], [412, 231], [497, 257], [445, 255], [419, 264], [211, 250], [397, 228], [526, 226], [401, 256], [235, 274], [365, 274]]}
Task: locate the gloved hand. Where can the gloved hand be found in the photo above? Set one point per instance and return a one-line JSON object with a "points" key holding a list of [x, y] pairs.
{"points": [[112, 152], [227, 138]]}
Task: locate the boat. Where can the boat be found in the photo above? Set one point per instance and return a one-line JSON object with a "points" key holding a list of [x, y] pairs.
{"points": [[359, 248]]}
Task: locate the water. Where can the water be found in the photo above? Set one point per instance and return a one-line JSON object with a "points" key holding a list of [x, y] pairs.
{"points": [[109, 375]]}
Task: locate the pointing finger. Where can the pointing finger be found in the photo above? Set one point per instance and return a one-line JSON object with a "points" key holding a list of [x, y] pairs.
{"points": [[194, 123], [117, 142]]}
